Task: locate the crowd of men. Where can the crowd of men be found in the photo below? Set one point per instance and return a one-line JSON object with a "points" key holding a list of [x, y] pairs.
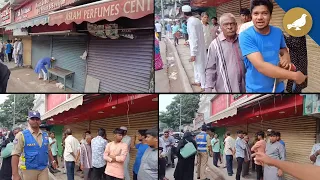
{"points": [[29, 154], [248, 57]]}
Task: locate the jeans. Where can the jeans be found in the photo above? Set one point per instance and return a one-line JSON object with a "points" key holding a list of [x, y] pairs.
{"points": [[70, 169], [229, 159], [20, 60], [239, 168], [216, 157], [259, 169], [162, 167], [98, 173]]}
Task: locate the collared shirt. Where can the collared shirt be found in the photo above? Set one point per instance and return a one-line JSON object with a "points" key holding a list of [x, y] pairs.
{"points": [[215, 31], [315, 148], [163, 145], [224, 69], [158, 27], [168, 141], [20, 48], [141, 149], [245, 26], [98, 145], [229, 143], [149, 165], [215, 146], [71, 146], [54, 146], [86, 155], [207, 34], [259, 146], [240, 148], [120, 151]]}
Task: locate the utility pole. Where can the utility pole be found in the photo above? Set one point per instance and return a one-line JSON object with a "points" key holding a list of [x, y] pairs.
{"points": [[180, 113], [14, 110], [162, 14]]}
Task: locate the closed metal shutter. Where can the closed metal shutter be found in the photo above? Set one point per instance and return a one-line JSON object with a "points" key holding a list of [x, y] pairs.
{"points": [[233, 129], [299, 134], [41, 47], [67, 51], [245, 4], [277, 16], [230, 7], [313, 66], [122, 65]]}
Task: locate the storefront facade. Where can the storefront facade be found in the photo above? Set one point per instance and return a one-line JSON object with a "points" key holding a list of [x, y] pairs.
{"points": [[108, 111], [283, 113]]}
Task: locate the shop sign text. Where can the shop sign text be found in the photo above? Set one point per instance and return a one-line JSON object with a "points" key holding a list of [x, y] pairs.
{"points": [[6, 16], [111, 31]]}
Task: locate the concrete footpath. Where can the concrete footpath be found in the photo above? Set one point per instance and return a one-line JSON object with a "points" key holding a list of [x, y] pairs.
{"points": [[185, 67], [161, 76]]}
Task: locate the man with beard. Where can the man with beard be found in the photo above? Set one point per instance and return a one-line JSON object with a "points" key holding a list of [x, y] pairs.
{"points": [[260, 46], [197, 46]]}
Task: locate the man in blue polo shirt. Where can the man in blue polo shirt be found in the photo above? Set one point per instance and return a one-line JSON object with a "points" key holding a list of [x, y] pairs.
{"points": [[261, 45]]}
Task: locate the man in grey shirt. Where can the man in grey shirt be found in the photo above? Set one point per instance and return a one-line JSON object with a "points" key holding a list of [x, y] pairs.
{"points": [[224, 69], [240, 148], [149, 162], [169, 142], [275, 150]]}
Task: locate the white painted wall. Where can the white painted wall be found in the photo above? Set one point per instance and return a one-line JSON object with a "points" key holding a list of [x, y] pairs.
{"points": [[40, 103]]}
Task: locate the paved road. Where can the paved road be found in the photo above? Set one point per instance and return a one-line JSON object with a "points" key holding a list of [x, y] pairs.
{"points": [[252, 176], [26, 80]]}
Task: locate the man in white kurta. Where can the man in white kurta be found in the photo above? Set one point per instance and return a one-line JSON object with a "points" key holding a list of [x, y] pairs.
{"points": [[126, 139], [197, 45]]}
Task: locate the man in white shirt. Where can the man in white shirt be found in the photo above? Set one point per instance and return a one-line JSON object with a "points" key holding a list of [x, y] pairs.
{"points": [[315, 153], [158, 27], [126, 139], [229, 150], [20, 53], [15, 50], [72, 146]]}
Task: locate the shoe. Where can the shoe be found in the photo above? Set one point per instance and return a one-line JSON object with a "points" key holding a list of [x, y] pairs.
{"points": [[198, 177]]}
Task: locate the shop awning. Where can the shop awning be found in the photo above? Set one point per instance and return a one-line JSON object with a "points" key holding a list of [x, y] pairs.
{"points": [[223, 114], [41, 20], [109, 10], [65, 106]]}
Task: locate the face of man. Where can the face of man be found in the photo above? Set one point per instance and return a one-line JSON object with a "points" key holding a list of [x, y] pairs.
{"points": [[229, 27], [166, 135], [240, 136], [216, 136], [245, 18], [52, 135], [151, 141], [118, 137], [205, 19], [246, 138], [273, 139], [88, 140], [278, 138], [140, 137], [214, 21], [34, 122], [261, 17]]}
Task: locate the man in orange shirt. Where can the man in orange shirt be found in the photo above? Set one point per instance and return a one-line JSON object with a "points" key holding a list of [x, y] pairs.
{"points": [[115, 154], [260, 146]]}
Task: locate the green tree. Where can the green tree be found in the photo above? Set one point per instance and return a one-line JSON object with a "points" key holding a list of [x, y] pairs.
{"points": [[189, 106], [24, 103]]}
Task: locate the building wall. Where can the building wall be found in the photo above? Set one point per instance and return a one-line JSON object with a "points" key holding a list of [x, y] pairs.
{"points": [[204, 104], [39, 103]]}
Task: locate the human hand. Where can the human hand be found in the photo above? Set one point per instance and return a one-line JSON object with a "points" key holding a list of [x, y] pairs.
{"points": [[299, 77], [193, 58], [16, 177], [262, 158], [54, 165], [285, 63], [81, 167], [280, 173]]}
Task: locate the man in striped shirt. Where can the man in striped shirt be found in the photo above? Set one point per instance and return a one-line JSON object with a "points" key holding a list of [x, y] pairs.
{"points": [[86, 157]]}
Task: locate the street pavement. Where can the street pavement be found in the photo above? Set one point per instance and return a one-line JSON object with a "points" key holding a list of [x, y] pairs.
{"points": [[252, 176], [161, 76], [184, 54], [26, 80]]}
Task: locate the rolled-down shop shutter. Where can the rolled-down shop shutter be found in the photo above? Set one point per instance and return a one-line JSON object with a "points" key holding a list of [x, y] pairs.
{"points": [[277, 16], [67, 51], [122, 65], [138, 121], [299, 134], [245, 4], [41, 47], [230, 7]]}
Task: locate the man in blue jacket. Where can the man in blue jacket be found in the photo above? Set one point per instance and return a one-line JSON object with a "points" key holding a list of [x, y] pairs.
{"points": [[31, 148], [41, 67]]}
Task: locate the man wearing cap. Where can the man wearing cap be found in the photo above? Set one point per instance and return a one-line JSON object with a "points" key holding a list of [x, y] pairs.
{"points": [[31, 146], [41, 67], [197, 46], [126, 139], [203, 142]]}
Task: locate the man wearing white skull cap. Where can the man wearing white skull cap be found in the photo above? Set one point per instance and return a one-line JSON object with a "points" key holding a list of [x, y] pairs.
{"points": [[197, 46], [126, 139]]}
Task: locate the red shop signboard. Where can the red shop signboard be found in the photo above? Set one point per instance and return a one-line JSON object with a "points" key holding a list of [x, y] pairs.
{"points": [[219, 104], [53, 100], [39, 7], [6, 15]]}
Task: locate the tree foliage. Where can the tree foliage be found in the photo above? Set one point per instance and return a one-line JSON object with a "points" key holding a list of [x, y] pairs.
{"points": [[24, 103], [190, 105]]}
